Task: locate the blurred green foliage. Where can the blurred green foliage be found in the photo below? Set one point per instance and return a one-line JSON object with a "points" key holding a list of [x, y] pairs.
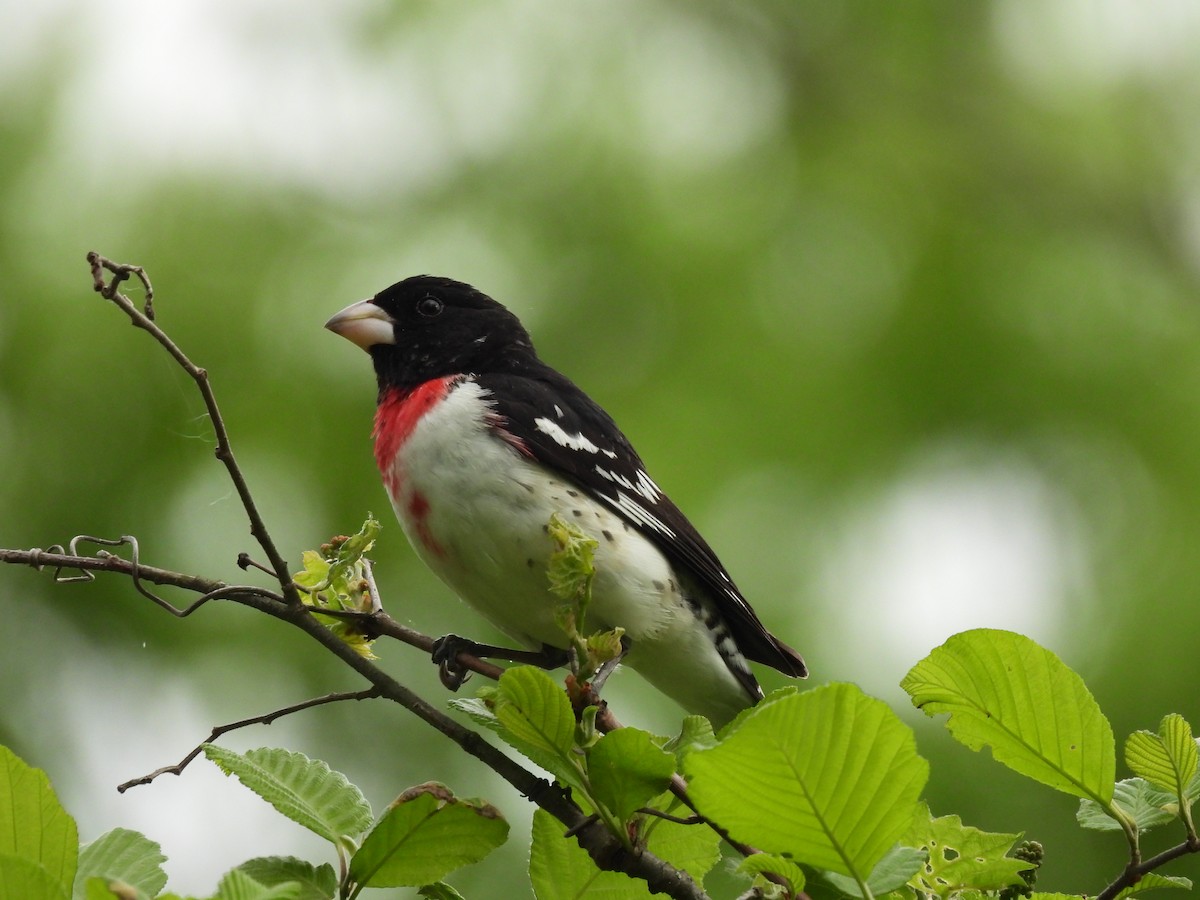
{"points": [[817, 258]]}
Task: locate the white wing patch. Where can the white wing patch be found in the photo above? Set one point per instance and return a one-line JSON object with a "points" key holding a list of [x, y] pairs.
{"points": [[570, 441], [645, 485], [638, 513], [647, 488]]}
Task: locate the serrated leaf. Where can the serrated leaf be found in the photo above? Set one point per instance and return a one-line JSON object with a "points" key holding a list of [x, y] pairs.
{"points": [[559, 869], [892, 872], [830, 777], [33, 824], [426, 834], [1168, 760], [1003, 690], [1153, 881], [1144, 804], [315, 882], [534, 715], [237, 885], [627, 769], [122, 854], [962, 858], [22, 878], [305, 790]]}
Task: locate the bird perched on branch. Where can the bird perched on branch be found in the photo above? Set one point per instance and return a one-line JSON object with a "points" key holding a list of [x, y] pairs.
{"points": [[480, 443]]}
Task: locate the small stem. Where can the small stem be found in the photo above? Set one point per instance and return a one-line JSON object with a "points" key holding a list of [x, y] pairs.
{"points": [[265, 719]]}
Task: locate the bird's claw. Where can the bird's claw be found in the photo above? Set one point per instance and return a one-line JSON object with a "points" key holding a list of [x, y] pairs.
{"points": [[445, 652]]}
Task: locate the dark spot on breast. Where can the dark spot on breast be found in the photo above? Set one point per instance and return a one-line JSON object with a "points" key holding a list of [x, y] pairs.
{"points": [[607, 535], [625, 525], [658, 585], [572, 493], [577, 513]]}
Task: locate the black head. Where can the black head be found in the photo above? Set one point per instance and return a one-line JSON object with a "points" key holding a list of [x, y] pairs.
{"points": [[426, 327]]}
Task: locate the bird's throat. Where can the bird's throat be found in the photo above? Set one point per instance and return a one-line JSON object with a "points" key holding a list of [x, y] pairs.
{"points": [[397, 415]]}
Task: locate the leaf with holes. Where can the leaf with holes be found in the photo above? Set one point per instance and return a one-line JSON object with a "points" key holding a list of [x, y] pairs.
{"points": [[965, 858]]}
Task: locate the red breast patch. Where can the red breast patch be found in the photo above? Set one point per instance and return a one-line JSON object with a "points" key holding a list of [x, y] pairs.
{"points": [[397, 416]]}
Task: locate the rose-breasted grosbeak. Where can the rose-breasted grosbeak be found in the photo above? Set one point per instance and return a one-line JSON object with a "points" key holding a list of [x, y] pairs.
{"points": [[479, 442]]}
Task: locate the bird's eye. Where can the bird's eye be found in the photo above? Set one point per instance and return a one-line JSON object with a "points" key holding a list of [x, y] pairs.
{"points": [[429, 306]]}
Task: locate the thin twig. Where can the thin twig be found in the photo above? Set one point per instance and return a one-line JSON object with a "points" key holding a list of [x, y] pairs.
{"points": [[224, 451], [659, 814], [266, 719]]}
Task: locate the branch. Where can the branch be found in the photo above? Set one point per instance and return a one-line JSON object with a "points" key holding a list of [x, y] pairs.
{"points": [[1135, 871], [265, 719], [224, 452], [605, 848]]}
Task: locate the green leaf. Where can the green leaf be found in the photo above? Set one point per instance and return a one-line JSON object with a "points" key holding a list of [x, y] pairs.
{"points": [[237, 885], [692, 848], [965, 858], [571, 566], [1168, 760], [22, 878], [426, 834], [830, 777], [125, 855], [696, 734], [627, 769], [560, 869], [33, 824], [97, 888], [1003, 690], [439, 890], [305, 790], [1142, 803], [893, 871], [768, 863], [316, 882], [1153, 881], [534, 715], [336, 578]]}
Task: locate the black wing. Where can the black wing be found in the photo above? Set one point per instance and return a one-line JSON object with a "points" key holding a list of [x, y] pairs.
{"points": [[556, 423]]}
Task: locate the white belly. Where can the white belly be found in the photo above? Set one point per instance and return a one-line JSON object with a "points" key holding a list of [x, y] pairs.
{"points": [[476, 512]]}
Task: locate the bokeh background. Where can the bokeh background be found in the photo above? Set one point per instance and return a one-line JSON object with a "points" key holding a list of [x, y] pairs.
{"points": [[901, 302]]}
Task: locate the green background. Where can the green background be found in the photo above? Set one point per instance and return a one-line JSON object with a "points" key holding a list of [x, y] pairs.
{"points": [[898, 301]]}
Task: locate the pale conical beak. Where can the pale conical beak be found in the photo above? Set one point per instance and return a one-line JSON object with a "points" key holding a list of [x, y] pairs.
{"points": [[365, 324]]}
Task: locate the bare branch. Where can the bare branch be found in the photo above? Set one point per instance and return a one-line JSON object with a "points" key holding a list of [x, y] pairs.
{"points": [[103, 561], [266, 719], [224, 451]]}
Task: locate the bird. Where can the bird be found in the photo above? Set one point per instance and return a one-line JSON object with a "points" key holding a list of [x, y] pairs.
{"points": [[479, 443]]}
